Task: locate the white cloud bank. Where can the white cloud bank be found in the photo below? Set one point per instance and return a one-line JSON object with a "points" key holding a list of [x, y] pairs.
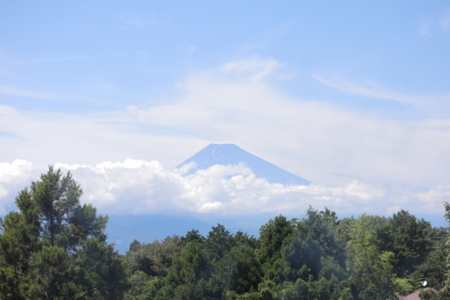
{"points": [[146, 187]]}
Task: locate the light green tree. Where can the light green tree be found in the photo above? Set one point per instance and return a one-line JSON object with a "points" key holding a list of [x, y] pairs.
{"points": [[371, 270]]}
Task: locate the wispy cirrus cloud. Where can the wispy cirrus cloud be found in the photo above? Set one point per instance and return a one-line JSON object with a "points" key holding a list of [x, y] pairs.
{"points": [[374, 90], [132, 19], [26, 93], [369, 89], [18, 92], [432, 24], [445, 20], [265, 38], [424, 27], [254, 69]]}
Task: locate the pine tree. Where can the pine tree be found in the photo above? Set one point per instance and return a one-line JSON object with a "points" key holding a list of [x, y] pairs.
{"points": [[55, 248]]}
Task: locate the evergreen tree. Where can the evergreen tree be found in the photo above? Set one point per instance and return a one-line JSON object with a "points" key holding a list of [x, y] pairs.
{"points": [[219, 242], [409, 240], [239, 270], [55, 248]]}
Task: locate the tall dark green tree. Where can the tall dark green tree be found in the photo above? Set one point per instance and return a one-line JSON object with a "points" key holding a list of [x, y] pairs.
{"points": [[188, 276], [273, 235], [239, 270], [408, 238], [55, 248], [219, 242]]}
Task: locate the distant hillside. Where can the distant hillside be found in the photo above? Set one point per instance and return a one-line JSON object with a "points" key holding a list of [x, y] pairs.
{"points": [[230, 154], [122, 230]]}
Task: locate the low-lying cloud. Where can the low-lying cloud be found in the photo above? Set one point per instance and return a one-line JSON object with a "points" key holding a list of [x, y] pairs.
{"points": [[147, 187]]}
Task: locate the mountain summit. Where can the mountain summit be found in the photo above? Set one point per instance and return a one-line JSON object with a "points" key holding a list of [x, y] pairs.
{"points": [[230, 154]]}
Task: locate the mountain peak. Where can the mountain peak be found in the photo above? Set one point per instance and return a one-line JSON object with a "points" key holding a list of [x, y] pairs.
{"points": [[230, 154]]}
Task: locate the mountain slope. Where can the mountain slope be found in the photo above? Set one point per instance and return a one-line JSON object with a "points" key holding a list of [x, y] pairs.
{"points": [[230, 154], [124, 229]]}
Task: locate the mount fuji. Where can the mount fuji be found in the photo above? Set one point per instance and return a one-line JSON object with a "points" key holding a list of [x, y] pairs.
{"points": [[122, 230], [230, 154]]}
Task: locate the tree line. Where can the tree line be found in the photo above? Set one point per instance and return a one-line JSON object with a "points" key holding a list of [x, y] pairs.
{"points": [[53, 247]]}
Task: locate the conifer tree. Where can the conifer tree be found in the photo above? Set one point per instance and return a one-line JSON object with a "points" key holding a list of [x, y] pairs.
{"points": [[55, 248]]}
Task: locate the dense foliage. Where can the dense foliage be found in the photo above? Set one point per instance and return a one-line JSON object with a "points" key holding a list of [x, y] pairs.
{"points": [[319, 257], [55, 248]]}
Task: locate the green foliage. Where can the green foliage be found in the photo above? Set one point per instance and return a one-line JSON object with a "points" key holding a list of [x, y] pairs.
{"points": [[155, 258], [302, 257], [272, 236], [409, 240], [403, 286], [331, 268], [430, 295], [297, 290], [321, 289], [239, 270], [139, 287], [416, 279], [243, 239], [232, 295], [192, 265], [371, 270], [321, 228], [193, 235], [55, 248], [433, 268], [319, 257], [219, 242]]}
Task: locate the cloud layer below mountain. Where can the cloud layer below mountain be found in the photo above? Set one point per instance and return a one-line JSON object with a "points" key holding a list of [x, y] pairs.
{"points": [[146, 187]]}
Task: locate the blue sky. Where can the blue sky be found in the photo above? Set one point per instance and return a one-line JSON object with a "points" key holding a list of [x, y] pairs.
{"points": [[351, 95]]}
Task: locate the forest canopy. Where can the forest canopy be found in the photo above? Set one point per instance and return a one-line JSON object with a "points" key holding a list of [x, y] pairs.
{"points": [[53, 247]]}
